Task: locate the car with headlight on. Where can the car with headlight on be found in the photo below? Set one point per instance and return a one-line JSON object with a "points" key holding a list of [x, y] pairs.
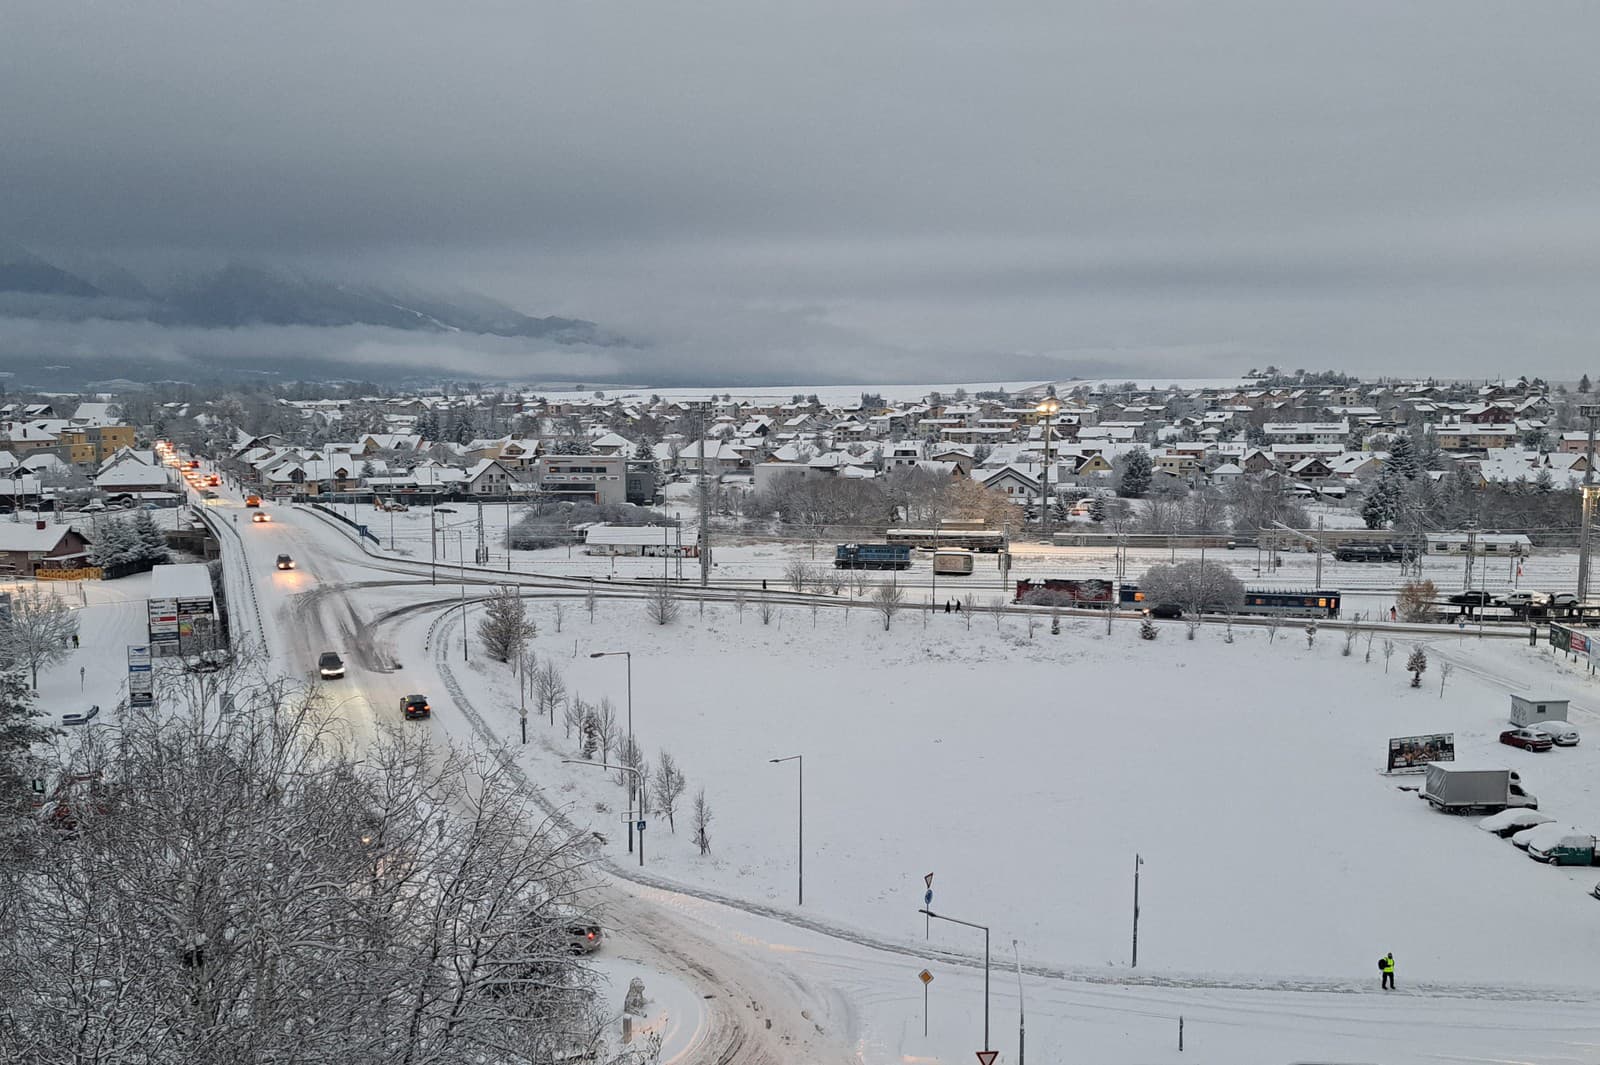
{"points": [[330, 666], [260, 517], [285, 562]]}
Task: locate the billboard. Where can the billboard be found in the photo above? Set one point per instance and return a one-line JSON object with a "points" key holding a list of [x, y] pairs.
{"points": [[1412, 753], [141, 682]]}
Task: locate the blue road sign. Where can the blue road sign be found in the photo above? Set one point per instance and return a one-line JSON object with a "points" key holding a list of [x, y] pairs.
{"points": [[639, 825], [927, 900]]}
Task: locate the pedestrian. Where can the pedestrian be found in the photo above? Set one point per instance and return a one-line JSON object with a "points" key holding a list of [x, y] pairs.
{"points": [[75, 639], [1392, 614], [763, 584], [947, 606], [1386, 966], [958, 606]]}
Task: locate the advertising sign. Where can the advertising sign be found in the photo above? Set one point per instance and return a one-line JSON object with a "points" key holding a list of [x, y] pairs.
{"points": [[1413, 753], [141, 681]]}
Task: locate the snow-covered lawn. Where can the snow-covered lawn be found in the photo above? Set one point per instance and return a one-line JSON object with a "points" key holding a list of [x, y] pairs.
{"points": [[1026, 773]]}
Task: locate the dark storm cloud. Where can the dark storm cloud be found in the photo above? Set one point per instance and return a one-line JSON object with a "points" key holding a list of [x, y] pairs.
{"points": [[756, 186]]}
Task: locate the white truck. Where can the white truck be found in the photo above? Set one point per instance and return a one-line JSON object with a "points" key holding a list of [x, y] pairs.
{"points": [[1458, 790]]}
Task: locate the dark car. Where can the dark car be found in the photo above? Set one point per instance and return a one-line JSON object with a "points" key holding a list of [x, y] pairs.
{"points": [[285, 562], [1529, 739], [330, 665], [1472, 599], [1165, 610], [415, 706]]}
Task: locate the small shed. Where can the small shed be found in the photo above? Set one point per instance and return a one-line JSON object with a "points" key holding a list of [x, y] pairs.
{"points": [[1527, 711]]}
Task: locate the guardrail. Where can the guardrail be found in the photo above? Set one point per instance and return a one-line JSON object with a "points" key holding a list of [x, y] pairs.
{"points": [[361, 529], [236, 599]]}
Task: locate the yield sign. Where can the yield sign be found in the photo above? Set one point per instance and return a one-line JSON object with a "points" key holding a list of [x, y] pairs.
{"points": [[986, 1057], [928, 880]]}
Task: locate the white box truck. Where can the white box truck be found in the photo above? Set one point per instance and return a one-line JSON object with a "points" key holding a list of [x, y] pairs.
{"points": [[1458, 790]]}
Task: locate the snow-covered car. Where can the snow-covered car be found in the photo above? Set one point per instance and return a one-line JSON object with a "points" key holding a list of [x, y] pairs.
{"points": [[1508, 823], [1529, 739], [1565, 846], [1561, 734], [93, 508], [1543, 834]]}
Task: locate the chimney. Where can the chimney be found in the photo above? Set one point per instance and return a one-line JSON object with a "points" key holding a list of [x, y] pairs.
{"points": [[39, 524]]}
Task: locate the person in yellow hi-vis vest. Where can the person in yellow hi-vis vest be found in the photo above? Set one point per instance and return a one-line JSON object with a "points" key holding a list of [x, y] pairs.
{"points": [[1386, 966]]}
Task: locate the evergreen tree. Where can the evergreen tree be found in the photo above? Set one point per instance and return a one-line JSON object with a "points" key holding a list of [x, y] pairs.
{"points": [[1403, 457], [115, 545], [1135, 479], [1430, 456], [19, 733], [642, 452], [1583, 383], [1097, 509], [148, 543], [427, 426], [1383, 500], [466, 432]]}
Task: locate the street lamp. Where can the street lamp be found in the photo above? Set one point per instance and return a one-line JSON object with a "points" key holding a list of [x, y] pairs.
{"points": [[985, 928], [628, 655], [800, 836], [433, 541], [1047, 407], [634, 776]]}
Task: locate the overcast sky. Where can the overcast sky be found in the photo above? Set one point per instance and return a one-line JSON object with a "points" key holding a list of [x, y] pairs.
{"points": [[813, 187]]}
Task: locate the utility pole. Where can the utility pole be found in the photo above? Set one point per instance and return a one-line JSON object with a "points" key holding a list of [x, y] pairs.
{"points": [[1137, 862], [1591, 413], [1472, 554], [1319, 552], [1022, 1015], [480, 554], [704, 492]]}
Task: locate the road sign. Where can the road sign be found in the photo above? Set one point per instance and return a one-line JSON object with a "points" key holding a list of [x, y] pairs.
{"points": [[928, 881], [927, 898], [639, 825], [986, 1057], [925, 976]]}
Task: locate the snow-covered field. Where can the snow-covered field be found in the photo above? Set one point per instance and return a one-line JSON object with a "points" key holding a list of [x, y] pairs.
{"points": [[1026, 773]]}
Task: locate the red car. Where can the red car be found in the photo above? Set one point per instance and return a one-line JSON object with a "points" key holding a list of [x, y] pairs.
{"points": [[1529, 739]]}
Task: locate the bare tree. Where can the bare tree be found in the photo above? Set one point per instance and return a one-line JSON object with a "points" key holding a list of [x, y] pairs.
{"points": [[1388, 653], [661, 606], [969, 607], [997, 609], [738, 602], [1311, 632], [765, 609], [859, 582], [590, 598], [39, 631], [606, 730], [242, 887], [833, 580], [549, 689], [1032, 621], [1445, 669], [669, 784], [702, 822], [559, 610], [1274, 623], [886, 600], [573, 714], [1370, 634], [797, 574]]}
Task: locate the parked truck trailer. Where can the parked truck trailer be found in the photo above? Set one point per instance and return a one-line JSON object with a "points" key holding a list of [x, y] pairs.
{"points": [[1459, 790]]}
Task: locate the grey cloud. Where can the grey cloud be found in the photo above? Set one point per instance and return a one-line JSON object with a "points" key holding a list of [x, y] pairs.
{"points": [[755, 187]]}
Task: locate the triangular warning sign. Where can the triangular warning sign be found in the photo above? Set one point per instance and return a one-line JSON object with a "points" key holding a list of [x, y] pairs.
{"points": [[986, 1057]]}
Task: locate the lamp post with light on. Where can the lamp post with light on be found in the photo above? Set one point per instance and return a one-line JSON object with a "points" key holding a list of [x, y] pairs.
{"points": [[1048, 408], [628, 656]]}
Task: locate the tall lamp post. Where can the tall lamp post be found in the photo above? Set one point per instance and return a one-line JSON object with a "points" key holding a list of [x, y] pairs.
{"points": [[800, 835], [985, 929], [1591, 413], [433, 541], [628, 657], [1048, 408]]}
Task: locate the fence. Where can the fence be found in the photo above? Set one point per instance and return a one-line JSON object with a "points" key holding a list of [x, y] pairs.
{"points": [[82, 573]]}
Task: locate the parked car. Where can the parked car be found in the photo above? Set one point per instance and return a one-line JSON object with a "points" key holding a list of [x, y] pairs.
{"points": [[1522, 839], [93, 508], [330, 666], [285, 562], [1562, 846], [1508, 823], [1561, 734], [1564, 599], [1471, 599], [260, 517], [1524, 599], [415, 706], [1529, 739]]}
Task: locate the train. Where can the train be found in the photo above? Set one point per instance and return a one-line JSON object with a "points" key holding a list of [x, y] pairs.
{"points": [[1291, 603], [988, 540], [1099, 593], [949, 562], [872, 556]]}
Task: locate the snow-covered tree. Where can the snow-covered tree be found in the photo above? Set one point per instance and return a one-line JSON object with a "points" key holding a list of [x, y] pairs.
{"points": [[1147, 629], [886, 600], [661, 605], [21, 728], [1384, 500], [1197, 587], [1403, 457], [505, 629], [150, 543], [1097, 509], [1417, 665], [702, 822], [38, 633], [668, 787], [114, 544], [1133, 473]]}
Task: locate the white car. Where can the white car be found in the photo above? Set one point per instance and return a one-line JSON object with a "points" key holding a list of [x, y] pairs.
{"points": [[1561, 733], [1541, 836], [1508, 823], [1524, 599]]}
